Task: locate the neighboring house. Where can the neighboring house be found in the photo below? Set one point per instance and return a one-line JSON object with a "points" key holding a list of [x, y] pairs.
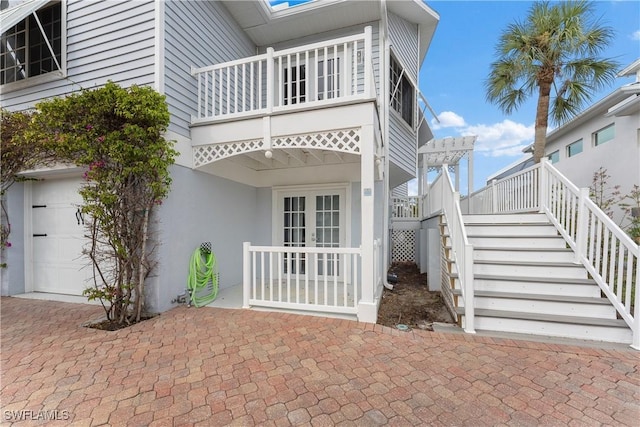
{"points": [[293, 126], [607, 135]]}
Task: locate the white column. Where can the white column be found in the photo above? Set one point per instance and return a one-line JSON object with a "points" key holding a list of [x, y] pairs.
{"points": [[470, 171], [367, 308]]}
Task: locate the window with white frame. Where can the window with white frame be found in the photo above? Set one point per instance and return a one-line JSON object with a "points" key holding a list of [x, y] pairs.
{"points": [[604, 135], [33, 46], [554, 157], [402, 92], [574, 148], [329, 78]]}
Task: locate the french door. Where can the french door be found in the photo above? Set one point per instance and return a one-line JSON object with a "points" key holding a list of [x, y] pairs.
{"points": [[312, 219]]}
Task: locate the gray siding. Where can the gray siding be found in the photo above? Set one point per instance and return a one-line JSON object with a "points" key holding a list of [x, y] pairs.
{"points": [[106, 40], [402, 140], [402, 144], [197, 34], [404, 39]]}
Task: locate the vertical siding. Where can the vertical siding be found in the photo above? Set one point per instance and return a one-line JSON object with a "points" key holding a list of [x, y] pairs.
{"points": [[402, 140], [197, 34], [106, 40]]}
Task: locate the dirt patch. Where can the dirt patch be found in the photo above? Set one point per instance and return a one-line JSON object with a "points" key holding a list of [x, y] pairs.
{"points": [[111, 325], [410, 302]]}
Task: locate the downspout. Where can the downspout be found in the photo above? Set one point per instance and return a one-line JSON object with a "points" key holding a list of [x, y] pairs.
{"points": [[384, 89]]}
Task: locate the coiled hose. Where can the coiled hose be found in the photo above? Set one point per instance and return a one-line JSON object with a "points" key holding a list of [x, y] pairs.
{"points": [[203, 277]]}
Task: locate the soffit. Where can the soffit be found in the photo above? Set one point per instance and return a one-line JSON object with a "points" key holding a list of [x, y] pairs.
{"points": [[267, 27]]}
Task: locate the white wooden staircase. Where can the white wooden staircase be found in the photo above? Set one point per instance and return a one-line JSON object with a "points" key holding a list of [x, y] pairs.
{"points": [[526, 281]]}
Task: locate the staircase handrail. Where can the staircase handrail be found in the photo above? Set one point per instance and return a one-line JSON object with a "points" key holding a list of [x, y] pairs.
{"points": [[608, 254], [462, 250]]}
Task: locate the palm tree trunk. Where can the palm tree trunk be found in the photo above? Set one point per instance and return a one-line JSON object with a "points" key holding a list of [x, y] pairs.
{"points": [[542, 120]]}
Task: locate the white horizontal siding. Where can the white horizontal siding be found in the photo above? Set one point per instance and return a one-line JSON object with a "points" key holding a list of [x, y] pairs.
{"points": [[197, 34], [404, 41], [106, 40]]}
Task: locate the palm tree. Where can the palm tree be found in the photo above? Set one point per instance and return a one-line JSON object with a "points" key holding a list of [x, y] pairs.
{"points": [[557, 48]]}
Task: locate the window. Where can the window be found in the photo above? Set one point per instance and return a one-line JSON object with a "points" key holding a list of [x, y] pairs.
{"points": [[24, 51], [402, 93], [554, 157], [574, 148], [296, 86], [332, 78], [604, 135]]}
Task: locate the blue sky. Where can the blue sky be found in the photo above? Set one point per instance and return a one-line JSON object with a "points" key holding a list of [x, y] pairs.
{"points": [[458, 61]]}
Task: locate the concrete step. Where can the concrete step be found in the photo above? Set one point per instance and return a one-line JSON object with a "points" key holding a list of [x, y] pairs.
{"points": [[542, 304], [557, 270], [518, 241], [529, 229], [565, 255], [554, 325], [540, 285], [522, 218]]}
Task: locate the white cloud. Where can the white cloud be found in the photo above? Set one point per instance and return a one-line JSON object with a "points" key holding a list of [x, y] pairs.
{"points": [[635, 35], [506, 138], [447, 119]]}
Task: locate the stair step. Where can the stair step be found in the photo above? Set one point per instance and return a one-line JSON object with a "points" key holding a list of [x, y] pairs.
{"points": [[558, 270], [538, 285], [521, 218], [523, 254], [537, 297], [576, 327], [541, 304], [497, 230], [517, 241]]}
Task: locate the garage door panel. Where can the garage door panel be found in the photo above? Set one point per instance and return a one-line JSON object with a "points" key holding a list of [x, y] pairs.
{"points": [[58, 263]]}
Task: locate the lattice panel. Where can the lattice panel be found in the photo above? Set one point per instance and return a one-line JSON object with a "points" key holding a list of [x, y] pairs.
{"points": [[347, 141], [404, 245], [205, 154]]}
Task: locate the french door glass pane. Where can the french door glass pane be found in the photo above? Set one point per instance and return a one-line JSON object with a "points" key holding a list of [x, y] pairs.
{"points": [[294, 233], [327, 232]]}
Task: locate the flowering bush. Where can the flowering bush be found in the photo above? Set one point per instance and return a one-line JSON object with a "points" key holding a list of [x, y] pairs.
{"points": [[117, 135]]}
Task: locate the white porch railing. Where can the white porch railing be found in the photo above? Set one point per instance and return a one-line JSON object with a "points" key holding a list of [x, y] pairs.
{"points": [[319, 74], [302, 278], [406, 207], [461, 249], [608, 253]]}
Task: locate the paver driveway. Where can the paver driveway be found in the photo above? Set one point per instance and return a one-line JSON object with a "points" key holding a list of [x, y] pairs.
{"points": [[218, 367]]}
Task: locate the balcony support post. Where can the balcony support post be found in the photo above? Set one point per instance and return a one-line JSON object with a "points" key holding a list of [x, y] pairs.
{"points": [[270, 80], [367, 305], [368, 65]]}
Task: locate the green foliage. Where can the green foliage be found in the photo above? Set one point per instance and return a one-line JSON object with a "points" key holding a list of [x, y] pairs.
{"points": [[555, 50], [16, 155], [116, 134]]}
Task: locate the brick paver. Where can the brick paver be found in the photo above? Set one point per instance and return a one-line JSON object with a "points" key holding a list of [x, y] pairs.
{"points": [[211, 367]]}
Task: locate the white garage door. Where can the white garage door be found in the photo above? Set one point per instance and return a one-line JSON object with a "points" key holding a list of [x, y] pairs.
{"points": [[58, 238]]}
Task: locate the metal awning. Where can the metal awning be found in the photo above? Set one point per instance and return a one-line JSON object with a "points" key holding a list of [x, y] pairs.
{"points": [[14, 15]]}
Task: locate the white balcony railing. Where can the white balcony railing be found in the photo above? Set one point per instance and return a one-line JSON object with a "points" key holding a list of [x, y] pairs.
{"points": [[338, 70]]}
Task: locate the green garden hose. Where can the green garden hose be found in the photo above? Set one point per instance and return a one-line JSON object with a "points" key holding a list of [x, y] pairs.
{"points": [[203, 277]]}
